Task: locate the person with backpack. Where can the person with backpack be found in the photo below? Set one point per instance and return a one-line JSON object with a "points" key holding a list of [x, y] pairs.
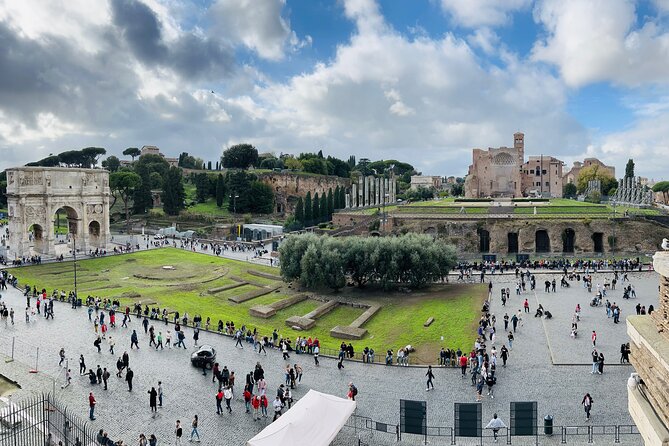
{"points": [[352, 391], [495, 424]]}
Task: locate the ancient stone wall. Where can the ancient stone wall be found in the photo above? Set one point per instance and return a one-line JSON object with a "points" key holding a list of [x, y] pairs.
{"points": [[633, 236], [288, 187]]}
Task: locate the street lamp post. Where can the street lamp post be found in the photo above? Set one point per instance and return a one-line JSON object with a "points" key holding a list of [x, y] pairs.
{"points": [[234, 203], [613, 244], [74, 255], [385, 198]]}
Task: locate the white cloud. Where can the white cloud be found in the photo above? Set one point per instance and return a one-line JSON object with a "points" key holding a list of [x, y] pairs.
{"points": [[474, 13], [485, 39], [598, 40], [425, 100], [78, 20], [258, 25]]}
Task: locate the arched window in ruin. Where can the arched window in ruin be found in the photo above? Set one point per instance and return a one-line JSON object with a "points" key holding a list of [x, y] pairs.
{"points": [[484, 240], [598, 241], [512, 242], [568, 239], [542, 241]]}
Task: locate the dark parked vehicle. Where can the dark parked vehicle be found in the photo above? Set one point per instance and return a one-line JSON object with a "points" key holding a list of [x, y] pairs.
{"points": [[205, 355]]}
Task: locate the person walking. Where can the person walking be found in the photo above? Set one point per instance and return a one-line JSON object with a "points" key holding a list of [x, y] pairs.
{"points": [[593, 337], [91, 404], [227, 394], [82, 365], [255, 403], [316, 351], [160, 340], [463, 365], [129, 374], [510, 337], [430, 376], [587, 405], [111, 342], [153, 395], [495, 424], [219, 402], [134, 340], [61, 354], [68, 378], [504, 354], [600, 364], [178, 432], [194, 431]]}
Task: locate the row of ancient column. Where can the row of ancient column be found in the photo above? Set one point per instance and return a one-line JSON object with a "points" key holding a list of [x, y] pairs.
{"points": [[372, 191]]}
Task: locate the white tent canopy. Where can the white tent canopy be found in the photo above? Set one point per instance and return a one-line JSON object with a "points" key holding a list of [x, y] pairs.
{"points": [[314, 420]]}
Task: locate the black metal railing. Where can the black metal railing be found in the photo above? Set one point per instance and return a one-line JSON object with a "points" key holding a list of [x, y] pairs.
{"points": [[42, 420]]}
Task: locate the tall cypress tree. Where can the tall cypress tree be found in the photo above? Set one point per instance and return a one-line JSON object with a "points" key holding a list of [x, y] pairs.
{"points": [[336, 198], [308, 210], [299, 211], [173, 192], [342, 198], [323, 205], [330, 204], [316, 209], [220, 190]]}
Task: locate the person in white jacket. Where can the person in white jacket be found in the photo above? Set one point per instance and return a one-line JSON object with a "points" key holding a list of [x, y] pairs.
{"points": [[495, 424]]}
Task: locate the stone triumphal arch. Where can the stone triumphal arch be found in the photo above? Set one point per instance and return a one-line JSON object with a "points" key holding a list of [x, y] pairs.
{"points": [[39, 199]]}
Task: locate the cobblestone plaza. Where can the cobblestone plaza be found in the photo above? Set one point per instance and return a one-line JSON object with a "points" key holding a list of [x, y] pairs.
{"points": [[546, 365]]}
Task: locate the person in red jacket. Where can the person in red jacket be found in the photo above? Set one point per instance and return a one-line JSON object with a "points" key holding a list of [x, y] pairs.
{"points": [[463, 365], [91, 403], [247, 399], [255, 403]]}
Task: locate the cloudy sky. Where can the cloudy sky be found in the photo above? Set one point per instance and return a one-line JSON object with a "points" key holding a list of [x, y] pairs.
{"points": [[422, 81]]}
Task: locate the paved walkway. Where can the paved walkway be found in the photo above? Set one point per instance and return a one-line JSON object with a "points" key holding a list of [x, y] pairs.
{"points": [[530, 376]]}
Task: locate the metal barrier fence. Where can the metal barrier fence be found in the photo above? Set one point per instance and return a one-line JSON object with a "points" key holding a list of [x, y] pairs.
{"points": [[43, 421], [370, 432]]}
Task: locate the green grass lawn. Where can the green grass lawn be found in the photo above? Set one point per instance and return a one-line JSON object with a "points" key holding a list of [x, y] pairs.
{"points": [[209, 208], [139, 277]]}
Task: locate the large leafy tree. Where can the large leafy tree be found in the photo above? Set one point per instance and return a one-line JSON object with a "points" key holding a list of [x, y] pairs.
{"points": [[91, 155], [112, 163], [173, 192], [662, 186], [124, 184], [132, 152], [261, 198], [595, 172], [240, 156], [413, 260]]}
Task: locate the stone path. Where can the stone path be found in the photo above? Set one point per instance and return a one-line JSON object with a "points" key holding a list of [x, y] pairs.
{"points": [[530, 376]]}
